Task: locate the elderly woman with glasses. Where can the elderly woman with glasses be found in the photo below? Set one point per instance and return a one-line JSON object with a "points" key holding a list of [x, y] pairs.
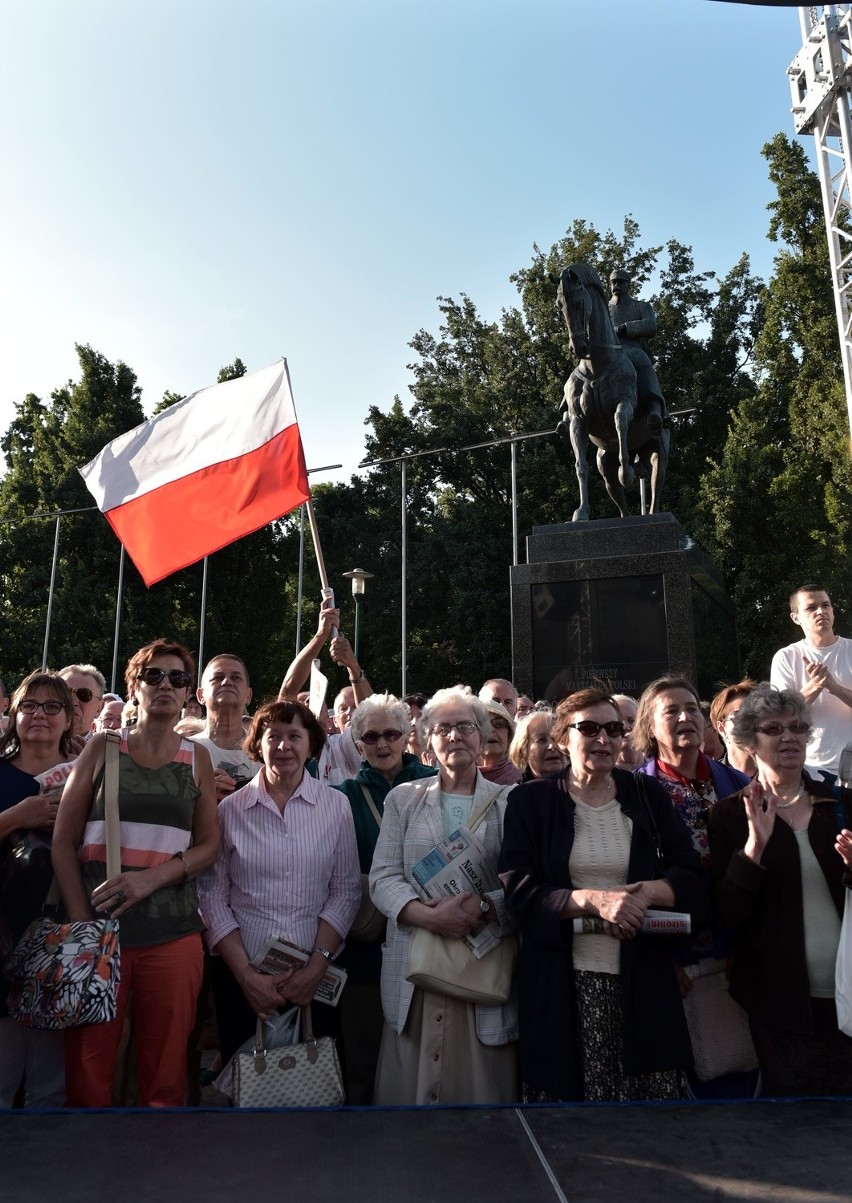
{"points": [[380, 729], [35, 753], [169, 834], [782, 873], [437, 1048], [585, 855]]}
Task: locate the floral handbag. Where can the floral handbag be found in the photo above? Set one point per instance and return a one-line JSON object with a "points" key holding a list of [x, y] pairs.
{"points": [[65, 975]]}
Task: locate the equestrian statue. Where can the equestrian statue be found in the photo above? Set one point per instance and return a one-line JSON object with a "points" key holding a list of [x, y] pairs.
{"points": [[612, 398]]}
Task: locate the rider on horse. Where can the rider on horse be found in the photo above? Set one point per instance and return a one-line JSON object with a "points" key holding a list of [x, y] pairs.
{"points": [[634, 321]]}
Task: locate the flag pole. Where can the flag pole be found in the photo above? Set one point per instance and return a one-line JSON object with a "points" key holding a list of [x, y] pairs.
{"points": [[327, 591]]}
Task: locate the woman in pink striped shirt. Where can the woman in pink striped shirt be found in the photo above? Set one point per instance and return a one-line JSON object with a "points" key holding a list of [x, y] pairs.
{"points": [[287, 866]]}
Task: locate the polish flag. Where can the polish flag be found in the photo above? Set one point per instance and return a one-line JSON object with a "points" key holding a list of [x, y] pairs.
{"points": [[209, 470]]}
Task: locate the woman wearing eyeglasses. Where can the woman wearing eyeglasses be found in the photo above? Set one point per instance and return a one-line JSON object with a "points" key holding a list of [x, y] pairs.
{"points": [[599, 1009], [169, 834], [782, 872], [436, 1048], [37, 740], [380, 729]]}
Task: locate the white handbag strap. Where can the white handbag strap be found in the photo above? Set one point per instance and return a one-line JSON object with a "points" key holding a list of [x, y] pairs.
{"points": [[111, 821], [477, 818]]}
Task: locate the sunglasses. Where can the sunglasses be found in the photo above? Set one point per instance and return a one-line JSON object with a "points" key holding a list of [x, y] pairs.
{"points": [[373, 737], [776, 729], [179, 678], [30, 706], [83, 693], [591, 729]]}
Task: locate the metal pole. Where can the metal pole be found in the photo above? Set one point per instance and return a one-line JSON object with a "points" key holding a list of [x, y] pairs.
{"points": [[357, 625], [403, 583], [117, 620], [50, 595], [202, 623], [642, 502], [513, 445], [301, 578]]}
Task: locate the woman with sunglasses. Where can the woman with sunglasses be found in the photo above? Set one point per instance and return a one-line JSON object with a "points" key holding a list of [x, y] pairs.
{"points": [[585, 855], [169, 834], [38, 740], [380, 729], [438, 1049], [782, 871]]}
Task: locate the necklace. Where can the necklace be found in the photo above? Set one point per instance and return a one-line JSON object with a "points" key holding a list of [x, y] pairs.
{"points": [[792, 802]]}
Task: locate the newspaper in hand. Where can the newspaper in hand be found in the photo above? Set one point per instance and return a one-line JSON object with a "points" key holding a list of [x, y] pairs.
{"points": [[278, 955], [53, 780], [655, 923], [458, 865]]}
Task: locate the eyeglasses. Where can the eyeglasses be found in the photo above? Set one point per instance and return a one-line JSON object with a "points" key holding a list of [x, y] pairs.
{"points": [[776, 729], [500, 724], [83, 693], [444, 729], [373, 737], [591, 729], [178, 678], [30, 706]]}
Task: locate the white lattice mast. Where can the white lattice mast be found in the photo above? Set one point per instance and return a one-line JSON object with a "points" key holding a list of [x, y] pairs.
{"points": [[820, 83]]}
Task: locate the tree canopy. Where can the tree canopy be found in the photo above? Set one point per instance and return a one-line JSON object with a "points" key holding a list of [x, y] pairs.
{"points": [[759, 475]]}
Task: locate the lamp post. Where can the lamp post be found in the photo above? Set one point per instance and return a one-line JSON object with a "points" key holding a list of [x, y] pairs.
{"points": [[359, 578]]}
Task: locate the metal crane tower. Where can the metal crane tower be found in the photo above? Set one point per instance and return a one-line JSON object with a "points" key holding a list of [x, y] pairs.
{"points": [[820, 83]]}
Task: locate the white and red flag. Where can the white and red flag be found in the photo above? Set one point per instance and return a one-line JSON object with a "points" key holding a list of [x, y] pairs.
{"points": [[209, 470]]}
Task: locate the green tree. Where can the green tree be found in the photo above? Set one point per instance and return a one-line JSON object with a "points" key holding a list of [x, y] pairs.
{"points": [[778, 498]]}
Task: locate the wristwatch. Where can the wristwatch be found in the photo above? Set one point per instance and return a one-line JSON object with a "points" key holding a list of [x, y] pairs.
{"points": [[484, 906], [323, 951]]}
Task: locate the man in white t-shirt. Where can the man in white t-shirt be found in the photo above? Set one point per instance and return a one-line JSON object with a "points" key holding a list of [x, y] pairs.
{"points": [[226, 691], [820, 667]]}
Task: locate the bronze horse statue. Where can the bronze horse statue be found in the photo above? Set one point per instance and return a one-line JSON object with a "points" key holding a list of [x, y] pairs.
{"points": [[600, 403]]}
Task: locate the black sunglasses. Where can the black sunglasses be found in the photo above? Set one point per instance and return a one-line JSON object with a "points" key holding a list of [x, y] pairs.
{"points": [[591, 729], [373, 737], [83, 693], [179, 678]]}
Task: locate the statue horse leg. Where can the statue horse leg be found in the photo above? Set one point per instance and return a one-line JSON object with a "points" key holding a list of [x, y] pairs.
{"points": [[579, 432], [659, 457], [622, 418], [609, 468]]}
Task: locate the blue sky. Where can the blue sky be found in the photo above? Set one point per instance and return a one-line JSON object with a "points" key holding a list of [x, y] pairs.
{"points": [[187, 182]]}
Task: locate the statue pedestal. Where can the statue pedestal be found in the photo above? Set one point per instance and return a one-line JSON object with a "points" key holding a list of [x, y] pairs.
{"points": [[616, 602]]}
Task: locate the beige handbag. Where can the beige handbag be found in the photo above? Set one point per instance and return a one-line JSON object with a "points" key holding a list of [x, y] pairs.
{"points": [[447, 966], [297, 1075], [369, 924], [718, 1026]]}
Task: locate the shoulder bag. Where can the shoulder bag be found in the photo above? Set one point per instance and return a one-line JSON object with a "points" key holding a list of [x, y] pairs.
{"points": [[447, 966], [66, 975], [369, 924]]}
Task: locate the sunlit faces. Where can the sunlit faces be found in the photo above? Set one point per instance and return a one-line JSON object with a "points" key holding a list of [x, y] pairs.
{"points": [[85, 711], [525, 706], [497, 744], [597, 753], [40, 729], [543, 756], [455, 748], [344, 708], [224, 683], [503, 692], [285, 747], [777, 747], [109, 718], [815, 615], [163, 697], [678, 723], [385, 753]]}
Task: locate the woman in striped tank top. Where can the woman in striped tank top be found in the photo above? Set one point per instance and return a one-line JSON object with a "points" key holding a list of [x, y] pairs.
{"points": [[169, 834]]}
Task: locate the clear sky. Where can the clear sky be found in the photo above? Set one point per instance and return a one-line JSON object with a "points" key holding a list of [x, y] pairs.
{"points": [[187, 181]]}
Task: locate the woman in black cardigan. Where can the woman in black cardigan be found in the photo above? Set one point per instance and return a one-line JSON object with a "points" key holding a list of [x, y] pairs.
{"points": [[600, 1013]]}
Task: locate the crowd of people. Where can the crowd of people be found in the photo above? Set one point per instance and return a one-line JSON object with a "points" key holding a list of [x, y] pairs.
{"points": [[648, 874]]}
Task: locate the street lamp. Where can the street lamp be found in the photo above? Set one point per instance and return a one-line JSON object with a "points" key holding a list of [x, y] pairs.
{"points": [[359, 578]]}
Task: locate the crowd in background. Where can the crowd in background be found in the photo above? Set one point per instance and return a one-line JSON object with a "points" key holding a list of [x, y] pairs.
{"points": [[592, 813]]}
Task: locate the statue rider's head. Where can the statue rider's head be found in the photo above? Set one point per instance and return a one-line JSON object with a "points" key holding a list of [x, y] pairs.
{"points": [[619, 283]]}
